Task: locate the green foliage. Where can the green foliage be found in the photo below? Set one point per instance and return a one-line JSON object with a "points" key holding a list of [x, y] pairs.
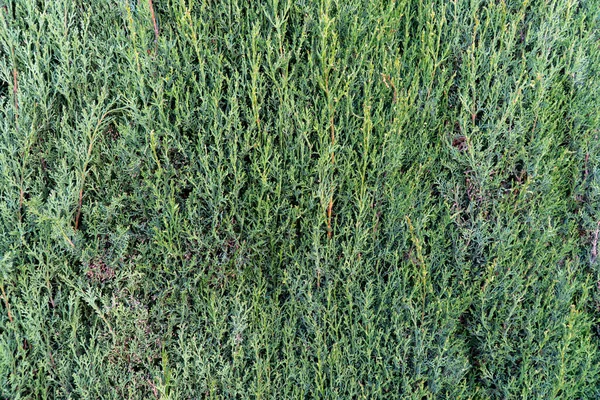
{"points": [[299, 199]]}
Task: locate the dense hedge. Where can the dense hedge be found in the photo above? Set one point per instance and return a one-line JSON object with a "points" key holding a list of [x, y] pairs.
{"points": [[299, 199]]}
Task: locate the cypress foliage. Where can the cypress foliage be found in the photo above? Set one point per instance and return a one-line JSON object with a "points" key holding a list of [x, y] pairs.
{"points": [[299, 199]]}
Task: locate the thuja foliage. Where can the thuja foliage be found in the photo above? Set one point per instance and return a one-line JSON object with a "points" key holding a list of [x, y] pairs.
{"points": [[299, 199]]}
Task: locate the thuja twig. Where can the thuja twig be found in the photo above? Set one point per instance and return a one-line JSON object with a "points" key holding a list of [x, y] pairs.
{"points": [[27, 148], [422, 264], [15, 91], [15, 75], [595, 243], [330, 206], [5, 298], [88, 298], [88, 157], [387, 80], [62, 231], [84, 170], [15, 87], [332, 133]]}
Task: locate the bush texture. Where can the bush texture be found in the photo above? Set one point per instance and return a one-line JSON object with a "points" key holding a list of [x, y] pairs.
{"points": [[299, 199]]}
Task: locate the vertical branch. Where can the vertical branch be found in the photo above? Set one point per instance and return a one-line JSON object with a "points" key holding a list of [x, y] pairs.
{"points": [[389, 83], [421, 262], [255, 61], [84, 170], [15, 92], [329, 210], [133, 37], [329, 59], [83, 176], [155, 25], [15, 75], [330, 206], [594, 253], [5, 298], [15, 86], [586, 172], [332, 130], [84, 173]]}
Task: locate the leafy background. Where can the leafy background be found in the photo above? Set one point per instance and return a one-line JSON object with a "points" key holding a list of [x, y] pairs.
{"points": [[299, 199]]}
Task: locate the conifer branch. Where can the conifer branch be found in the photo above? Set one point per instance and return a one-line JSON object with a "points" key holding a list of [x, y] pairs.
{"points": [[594, 253], [15, 75], [84, 170], [15, 91], [330, 206], [6, 304]]}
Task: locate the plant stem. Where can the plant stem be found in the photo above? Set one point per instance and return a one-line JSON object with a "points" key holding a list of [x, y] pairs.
{"points": [[155, 25], [5, 298]]}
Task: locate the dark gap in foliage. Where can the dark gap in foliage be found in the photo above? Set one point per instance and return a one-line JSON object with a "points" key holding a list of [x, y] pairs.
{"points": [[3, 89], [466, 324]]}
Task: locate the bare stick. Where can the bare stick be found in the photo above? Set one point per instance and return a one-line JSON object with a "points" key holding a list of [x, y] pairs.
{"points": [[329, 209], [154, 23], [153, 387]]}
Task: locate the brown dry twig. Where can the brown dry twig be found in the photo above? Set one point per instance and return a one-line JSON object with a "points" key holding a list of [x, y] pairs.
{"points": [[329, 211], [460, 143], [153, 387], [154, 23]]}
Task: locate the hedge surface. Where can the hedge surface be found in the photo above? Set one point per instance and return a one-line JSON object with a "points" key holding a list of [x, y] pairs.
{"points": [[299, 199]]}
